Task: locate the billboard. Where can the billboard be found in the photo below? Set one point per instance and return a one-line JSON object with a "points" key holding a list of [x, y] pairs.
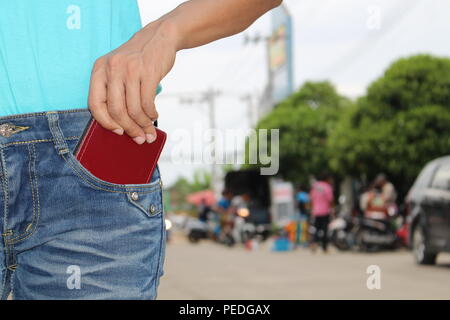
{"points": [[280, 55]]}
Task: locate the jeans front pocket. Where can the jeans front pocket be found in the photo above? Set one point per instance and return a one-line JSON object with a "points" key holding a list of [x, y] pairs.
{"points": [[85, 175], [64, 148]]}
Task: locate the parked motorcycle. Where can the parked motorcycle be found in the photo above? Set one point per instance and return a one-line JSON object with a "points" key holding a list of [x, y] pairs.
{"points": [[340, 229], [341, 233], [377, 228], [198, 230]]}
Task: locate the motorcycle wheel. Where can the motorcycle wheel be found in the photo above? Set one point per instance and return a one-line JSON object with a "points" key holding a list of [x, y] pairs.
{"points": [[228, 241], [341, 245], [360, 245], [192, 238]]}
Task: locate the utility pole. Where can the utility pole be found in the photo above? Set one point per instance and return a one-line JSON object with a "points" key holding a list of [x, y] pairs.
{"points": [[209, 97], [265, 100], [252, 112], [278, 43]]}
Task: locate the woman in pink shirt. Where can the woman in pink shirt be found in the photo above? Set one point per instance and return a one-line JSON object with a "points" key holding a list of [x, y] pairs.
{"points": [[321, 195]]}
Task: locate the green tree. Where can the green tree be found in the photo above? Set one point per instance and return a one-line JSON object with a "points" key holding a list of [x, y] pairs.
{"points": [[305, 121], [182, 187], [400, 124]]}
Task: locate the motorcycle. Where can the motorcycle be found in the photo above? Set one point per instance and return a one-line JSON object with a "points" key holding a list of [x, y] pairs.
{"points": [[377, 228], [340, 229], [340, 233], [198, 230]]}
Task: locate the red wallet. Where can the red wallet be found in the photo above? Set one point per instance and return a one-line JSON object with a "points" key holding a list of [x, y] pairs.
{"points": [[118, 159]]}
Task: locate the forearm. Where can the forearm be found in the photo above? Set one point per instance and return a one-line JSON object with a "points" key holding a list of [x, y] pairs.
{"points": [[198, 22], [124, 81]]}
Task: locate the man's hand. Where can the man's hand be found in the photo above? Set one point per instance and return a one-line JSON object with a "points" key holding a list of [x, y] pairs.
{"points": [[124, 83]]}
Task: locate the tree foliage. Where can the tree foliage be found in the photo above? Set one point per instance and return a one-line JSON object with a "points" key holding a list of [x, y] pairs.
{"points": [[182, 187], [400, 124], [305, 120]]}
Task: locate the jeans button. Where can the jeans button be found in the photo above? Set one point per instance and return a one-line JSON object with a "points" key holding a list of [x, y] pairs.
{"points": [[152, 208], [134, 196]]}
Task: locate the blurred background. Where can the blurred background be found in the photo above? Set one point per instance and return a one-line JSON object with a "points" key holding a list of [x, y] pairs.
{"points": [[360, 93]]}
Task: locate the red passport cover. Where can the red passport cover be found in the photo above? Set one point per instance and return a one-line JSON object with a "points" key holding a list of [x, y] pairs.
{"points": [[118, 159]]}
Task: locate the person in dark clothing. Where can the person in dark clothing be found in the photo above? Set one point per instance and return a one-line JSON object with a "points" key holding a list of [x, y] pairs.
{"points": [[204, 209]]}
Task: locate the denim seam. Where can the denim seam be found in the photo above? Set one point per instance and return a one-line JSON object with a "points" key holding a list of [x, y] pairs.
{"points": [[11, 285], [7, 271], [156, 278], [34, 194], [42, 113], [100, 188], [13, 264], [4, 282], [5, 191], [146, 211], [39, 140]]}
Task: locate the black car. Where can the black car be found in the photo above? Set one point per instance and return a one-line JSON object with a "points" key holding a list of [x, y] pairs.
{"points": [[428, 205]]}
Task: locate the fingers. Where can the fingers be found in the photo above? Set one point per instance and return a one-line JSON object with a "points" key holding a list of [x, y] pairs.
{"points": [[135, 111], [148, 93], [120, 100], [118, 110], [97, 102]]}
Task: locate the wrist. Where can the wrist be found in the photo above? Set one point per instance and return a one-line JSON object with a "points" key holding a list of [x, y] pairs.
{"points": [[161, 29]]}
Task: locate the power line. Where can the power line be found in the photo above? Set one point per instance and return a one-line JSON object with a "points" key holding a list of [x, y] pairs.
{"points": [[209, 97], [357, 51]]}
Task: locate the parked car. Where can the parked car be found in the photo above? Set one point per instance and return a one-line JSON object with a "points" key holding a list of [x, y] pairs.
{"points": [[428, 208]]}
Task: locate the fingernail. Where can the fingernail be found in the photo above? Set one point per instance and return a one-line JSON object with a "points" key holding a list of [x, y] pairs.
{"points": [[139, 140], [150, 137], [118, 131]]}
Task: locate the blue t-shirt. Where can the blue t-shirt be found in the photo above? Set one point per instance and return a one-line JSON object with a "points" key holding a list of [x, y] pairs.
{"points": [[302, 197], [224, 203], [48, 48]]}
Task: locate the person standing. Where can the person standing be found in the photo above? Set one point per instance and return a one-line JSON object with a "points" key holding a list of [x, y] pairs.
{"points": [[303, 207], [303, 202], [321, 195], [67, 234]]}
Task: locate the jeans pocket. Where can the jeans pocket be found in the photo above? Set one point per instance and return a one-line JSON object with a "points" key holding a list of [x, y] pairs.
{"points": [[82, 173], [151, 204]]}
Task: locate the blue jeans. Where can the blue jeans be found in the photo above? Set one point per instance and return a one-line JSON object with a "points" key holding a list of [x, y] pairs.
{"points": [[65, 233]]}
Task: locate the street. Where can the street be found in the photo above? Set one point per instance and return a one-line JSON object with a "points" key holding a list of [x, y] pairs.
{"points": [[211, 271]]}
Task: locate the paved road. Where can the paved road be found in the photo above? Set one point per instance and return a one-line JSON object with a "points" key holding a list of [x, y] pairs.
{"points": [[211, 271]]}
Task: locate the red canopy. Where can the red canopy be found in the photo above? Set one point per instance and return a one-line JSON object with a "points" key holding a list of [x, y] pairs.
{"points": [[197, 197]]}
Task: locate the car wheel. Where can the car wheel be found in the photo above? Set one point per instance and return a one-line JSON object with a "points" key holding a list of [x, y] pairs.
{"points": [[421, 253]]}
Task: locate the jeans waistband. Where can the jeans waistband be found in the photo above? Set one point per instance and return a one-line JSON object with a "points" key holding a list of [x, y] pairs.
{"points": [[58, 127], [37, 126]]}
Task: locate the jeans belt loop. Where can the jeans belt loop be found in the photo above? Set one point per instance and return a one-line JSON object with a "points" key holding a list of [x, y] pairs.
{"points": [[58, 137]]}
